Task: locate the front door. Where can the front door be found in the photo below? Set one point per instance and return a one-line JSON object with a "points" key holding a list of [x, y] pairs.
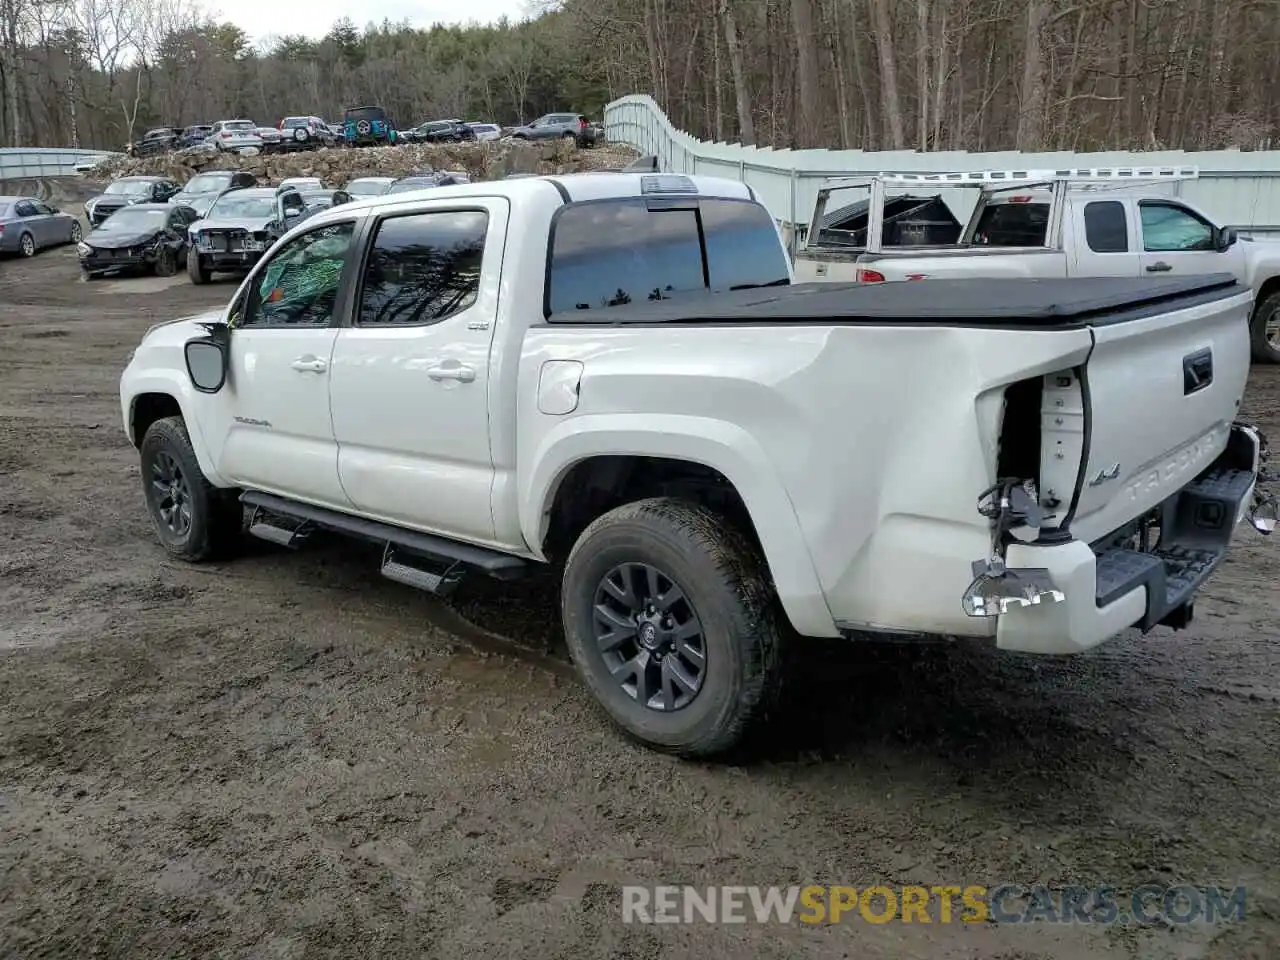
{"points": [[1177, 241], [410, 381], [280, 435]]}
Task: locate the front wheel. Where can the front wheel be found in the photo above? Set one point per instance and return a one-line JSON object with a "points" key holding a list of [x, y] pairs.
{"points": [[193, 519], [196, 270], [166, 264], [671, 619], [1264, 330]]}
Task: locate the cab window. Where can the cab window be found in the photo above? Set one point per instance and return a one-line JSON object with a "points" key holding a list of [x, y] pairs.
{"points": [[299, 285], [1167, 227], [423, 268]]}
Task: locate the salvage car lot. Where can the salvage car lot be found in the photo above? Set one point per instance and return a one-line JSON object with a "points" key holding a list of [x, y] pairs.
{"points": [[289, 756]]}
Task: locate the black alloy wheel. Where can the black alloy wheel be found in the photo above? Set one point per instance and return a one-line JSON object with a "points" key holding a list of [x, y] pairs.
{"points": [[170, 494], [650, 637]]}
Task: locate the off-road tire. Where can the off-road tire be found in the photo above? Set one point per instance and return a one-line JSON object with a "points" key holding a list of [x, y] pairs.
{"points": [[1263, 351], [197, 271], [217, 517], [727, 583]]}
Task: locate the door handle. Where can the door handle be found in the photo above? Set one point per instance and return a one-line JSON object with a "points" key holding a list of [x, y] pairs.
{"points": [[452, 372], [309, 365], [1158, 267]]}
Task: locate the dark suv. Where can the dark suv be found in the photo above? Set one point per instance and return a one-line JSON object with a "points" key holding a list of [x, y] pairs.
{"points": [[159, 140], [439, 131]]}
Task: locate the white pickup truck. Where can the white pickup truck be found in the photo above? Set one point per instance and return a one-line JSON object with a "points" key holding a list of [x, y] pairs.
{"points": [[1034, 223], [614, 371]]}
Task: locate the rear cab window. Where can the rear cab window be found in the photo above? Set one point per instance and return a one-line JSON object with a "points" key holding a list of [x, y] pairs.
{"points": [[606, 253], [1013, 224], [1106, 229]]}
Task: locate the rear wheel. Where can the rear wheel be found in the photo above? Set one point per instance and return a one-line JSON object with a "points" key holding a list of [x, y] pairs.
{"points": [[76, 232], [193, 519], [27, 244], [1265, 330], [672, 622], [197, 271]]}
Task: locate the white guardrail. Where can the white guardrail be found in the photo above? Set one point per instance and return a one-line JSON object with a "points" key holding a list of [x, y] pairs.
{"points": [[1234, 187], [27, 163]]}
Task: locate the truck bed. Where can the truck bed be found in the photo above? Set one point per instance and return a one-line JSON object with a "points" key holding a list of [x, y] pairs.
{"points": [[979, 302]]}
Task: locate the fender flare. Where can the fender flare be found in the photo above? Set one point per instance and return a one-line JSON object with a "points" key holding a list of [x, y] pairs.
{"points": [[174, 384], [712, 443]]}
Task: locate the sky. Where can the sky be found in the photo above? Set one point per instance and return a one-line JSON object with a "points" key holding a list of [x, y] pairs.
{"points": [[261, 21]]}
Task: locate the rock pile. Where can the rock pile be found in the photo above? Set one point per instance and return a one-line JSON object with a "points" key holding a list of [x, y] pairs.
{"points": [[336, 165]]}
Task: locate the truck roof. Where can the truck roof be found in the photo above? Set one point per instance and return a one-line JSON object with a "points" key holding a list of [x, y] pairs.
{"points": [[572, 187], [1055, 303]]}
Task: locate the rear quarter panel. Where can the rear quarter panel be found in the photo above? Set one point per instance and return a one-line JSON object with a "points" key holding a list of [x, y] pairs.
{"points": [[857, 449]]}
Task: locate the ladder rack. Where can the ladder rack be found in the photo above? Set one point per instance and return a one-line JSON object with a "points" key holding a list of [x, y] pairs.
{"points": [[979, 178]]}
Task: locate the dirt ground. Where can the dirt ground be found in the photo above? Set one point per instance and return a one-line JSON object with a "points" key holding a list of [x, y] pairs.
{"points": [[287, 756]]}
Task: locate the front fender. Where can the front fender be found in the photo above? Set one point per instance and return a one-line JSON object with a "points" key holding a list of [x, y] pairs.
{"points": [[713, 443], [171, 383]]}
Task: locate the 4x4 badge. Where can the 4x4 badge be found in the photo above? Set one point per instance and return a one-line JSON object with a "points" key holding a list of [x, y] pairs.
{"points": [[1104, 475]]}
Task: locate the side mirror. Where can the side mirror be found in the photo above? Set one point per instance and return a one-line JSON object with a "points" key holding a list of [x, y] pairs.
{"points": [[207, 364], [1227, 237]]}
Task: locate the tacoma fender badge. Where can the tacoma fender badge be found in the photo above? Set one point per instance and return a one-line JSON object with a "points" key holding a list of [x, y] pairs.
{"points": [[1104, 475]]}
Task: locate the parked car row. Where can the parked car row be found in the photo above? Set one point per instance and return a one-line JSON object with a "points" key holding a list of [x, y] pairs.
{"points": [[367, 125], [218, 221]]}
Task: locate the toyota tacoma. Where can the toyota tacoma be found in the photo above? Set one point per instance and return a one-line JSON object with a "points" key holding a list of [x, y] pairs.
{"points": [[615, 372]]}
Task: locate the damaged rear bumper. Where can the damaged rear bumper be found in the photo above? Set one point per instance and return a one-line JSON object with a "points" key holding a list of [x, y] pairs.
{"points": [[1083, 594]]}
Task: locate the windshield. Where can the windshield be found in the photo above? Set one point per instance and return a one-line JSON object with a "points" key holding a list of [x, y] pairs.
{"points": [[366, 188], [207, 183], [240, 125], [406, 185], [243, 208], [134, 219], [129, 188]]}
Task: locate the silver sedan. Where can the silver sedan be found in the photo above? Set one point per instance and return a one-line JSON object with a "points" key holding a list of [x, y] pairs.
{"points": [[27, 224]]}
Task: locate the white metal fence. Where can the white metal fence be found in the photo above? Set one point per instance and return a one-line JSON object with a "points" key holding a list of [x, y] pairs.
{"points": [[25, 163], [1234, 187]]}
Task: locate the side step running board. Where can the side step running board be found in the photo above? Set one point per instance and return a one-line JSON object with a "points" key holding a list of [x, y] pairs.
{"points": [[402, 549]]}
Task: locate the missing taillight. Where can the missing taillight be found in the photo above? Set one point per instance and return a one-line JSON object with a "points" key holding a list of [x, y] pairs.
{"points": [[1019, 451]]}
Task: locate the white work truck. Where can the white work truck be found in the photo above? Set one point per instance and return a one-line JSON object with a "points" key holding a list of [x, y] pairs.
{"points": [[1114, 222], [615, 372]]}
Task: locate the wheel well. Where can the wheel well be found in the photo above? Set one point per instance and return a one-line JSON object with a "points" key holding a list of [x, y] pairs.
{"points": [[597, 485], [1271, 286], [147, 409]]}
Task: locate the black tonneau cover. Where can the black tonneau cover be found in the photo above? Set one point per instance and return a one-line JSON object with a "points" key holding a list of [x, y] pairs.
{"points": [[982, 302]]}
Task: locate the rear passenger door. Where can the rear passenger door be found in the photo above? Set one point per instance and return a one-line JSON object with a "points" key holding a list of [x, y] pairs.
{"points": [[1105, 239], [410, 381]]}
